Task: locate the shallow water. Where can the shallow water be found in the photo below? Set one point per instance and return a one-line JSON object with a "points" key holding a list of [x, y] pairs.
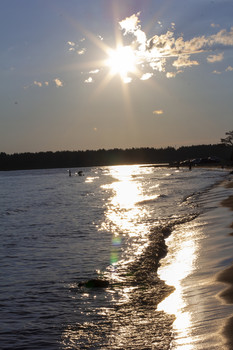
{"points": [[57, 231]]}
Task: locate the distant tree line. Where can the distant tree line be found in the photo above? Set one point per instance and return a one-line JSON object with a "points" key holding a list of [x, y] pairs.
{"points": [[101, 157]]}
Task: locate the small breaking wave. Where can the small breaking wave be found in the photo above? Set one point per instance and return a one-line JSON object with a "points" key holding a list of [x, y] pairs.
{"points": [[152, 199]]}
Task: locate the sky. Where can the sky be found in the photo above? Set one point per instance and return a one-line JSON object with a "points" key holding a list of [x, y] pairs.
{"points": [[103, 74]]}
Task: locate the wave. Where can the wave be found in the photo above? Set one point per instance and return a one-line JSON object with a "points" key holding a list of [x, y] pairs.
{"points": [[152, 200], [137, 291]]}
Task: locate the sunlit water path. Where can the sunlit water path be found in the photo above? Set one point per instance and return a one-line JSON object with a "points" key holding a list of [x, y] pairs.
{"points": [[111, 224]]}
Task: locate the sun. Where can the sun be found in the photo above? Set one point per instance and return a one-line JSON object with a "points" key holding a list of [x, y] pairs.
{"points": [[121, 61]]}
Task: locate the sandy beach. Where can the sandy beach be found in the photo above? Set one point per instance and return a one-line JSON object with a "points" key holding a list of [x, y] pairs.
{"points": [[226, 277], [203, 300]]}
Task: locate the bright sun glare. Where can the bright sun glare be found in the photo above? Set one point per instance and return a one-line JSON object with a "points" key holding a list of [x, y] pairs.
{"points": [[121, 61]]}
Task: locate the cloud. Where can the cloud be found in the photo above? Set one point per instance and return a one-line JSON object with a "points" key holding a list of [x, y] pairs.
{"points": [[215, 25], [229, 69], [130, 24], [167, 51], [216, 72], [157, 51], [89, 80], [215, 58], [75, 47], [173, 74], [146, 76], [184, 61], [95, 71], [71, 45], [127, 80], [37, 83], [81, 51], [158, 112], [58, 82]]}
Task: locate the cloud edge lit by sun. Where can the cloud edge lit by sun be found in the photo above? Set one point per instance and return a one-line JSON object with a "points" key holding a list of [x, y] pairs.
{"points": [[167, 54]]}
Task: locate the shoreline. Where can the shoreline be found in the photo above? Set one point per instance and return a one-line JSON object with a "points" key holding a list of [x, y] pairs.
{"points": [[205, 275], [226, 277]]}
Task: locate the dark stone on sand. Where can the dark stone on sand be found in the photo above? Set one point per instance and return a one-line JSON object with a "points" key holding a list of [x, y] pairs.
{"points": [[94, 283]]}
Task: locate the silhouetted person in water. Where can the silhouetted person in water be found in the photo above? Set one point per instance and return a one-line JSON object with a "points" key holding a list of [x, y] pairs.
{"points": [[190, 165], [69, 173]]}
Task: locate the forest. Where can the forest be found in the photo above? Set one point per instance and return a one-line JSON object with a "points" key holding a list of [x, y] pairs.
{"points": [[101, 157]]}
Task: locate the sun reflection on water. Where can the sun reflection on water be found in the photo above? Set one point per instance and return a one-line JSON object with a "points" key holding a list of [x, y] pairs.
{"points": [[123, 216], [177, 265], [125, 312]]}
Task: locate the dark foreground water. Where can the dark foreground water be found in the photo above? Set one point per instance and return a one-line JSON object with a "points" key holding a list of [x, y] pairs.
{"points": [[111, 224]]}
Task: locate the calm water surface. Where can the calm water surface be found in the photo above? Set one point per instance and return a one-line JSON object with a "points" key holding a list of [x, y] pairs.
{"points": [[57, 231]]}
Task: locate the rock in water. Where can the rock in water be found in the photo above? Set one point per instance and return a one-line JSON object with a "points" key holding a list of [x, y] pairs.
{"points": [[94, 283]]}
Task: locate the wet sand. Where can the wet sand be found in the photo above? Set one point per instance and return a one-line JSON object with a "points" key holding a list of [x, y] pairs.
{"points": [[226, 277], [228, 202], [204, 300]]}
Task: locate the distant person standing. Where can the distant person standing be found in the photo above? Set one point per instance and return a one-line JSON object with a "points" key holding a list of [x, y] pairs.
{"points": [[69, 172]]}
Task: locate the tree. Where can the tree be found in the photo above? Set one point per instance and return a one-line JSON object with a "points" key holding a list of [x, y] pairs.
{"points": [[228, 141]]}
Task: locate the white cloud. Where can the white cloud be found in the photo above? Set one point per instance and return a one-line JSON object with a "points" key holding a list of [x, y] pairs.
{"points": [[216, 72], [130, 24], [166, 46], [146, 76], [171, 74], [184, 61], [71, 43], [127, 80], [58, 82], [37, 83], [215, 58], [95, 71], [163, 52], [89, 80], [229, 69], [81, 51], [75, 47], [158, 64]]}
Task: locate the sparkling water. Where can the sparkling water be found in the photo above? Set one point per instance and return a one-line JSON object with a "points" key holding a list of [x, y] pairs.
{"points": [[106, 223]]}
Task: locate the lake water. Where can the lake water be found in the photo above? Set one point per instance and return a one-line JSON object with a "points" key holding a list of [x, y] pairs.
{"points": [[111, 224]]}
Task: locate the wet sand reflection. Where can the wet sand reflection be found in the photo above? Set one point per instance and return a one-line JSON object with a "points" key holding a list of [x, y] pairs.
{"points": [[177, 265], [226, 277]]}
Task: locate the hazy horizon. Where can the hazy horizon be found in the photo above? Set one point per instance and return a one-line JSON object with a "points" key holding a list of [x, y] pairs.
{"points": [[114, 74]]}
